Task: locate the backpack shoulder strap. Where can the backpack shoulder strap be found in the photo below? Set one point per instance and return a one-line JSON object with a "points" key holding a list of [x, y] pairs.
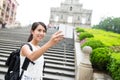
{"points": [[30, 46], [31, 50]]}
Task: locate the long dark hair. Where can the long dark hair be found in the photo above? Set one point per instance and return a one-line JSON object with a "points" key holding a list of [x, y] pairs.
{"points": [[34, 26]]}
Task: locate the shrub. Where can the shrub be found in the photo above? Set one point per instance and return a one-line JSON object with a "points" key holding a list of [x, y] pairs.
{"points": [[79, 30], [100, 58], [114, 66], [93, 43], [84, 35]]}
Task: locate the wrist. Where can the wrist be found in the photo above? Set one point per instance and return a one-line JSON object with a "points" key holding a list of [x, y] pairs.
{"points": [[49, 44]]}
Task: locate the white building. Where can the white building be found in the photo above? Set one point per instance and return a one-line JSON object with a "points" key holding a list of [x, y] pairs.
{"points": [[8, 11], [71, 13]]}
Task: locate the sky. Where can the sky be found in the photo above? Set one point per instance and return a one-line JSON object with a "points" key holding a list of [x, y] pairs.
{"points": [[29, 11]]}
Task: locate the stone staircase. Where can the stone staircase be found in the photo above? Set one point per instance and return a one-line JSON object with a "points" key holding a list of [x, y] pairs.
{"points": [[59, 60]]}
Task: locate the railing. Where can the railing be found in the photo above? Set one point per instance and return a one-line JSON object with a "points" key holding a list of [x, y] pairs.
{"points": [[83, 68]]}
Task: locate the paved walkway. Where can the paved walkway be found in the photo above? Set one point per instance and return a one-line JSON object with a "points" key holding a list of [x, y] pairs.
{"points": [[101, 76]]}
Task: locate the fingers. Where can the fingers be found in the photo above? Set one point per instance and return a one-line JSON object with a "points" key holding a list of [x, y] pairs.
{"points": [[58, 32], [58, 36]]}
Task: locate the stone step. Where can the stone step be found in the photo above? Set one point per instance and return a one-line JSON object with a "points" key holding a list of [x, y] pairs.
{"points": [[7, 49], [47, 65], [59, 72], [62, 52], [5, 52], [18, 44], [3, 58], [2, 77], [21, 39], [3, 69], [13, 33], [65, 60], [7, 41], [54, 57], [11, 47], [49, 76], [14, 36], [51, 65], [50, 60], [62, 55], [9, 44], [59, 66], [60, 62], [4, 55], [62, 46], [59, 59]]}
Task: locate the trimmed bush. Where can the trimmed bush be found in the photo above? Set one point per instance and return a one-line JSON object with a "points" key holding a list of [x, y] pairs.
{"points": [[79, 30], [84, 35], [114, 66], [93, 43], [100, 58]]}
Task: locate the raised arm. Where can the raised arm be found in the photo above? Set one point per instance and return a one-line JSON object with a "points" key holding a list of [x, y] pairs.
{"points": [[55, 38]]}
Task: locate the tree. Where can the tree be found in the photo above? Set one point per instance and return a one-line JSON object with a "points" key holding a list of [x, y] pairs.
{"points": [[109, 24]]}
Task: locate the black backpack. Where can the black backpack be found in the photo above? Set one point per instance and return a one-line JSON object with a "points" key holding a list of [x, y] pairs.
{"points": [[13, 63]]}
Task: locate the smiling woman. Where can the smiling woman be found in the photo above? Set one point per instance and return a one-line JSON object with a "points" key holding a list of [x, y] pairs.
{"points": [[38, 31]]}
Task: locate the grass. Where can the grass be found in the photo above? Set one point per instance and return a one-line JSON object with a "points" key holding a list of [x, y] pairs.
{"points": [[108, 38]]}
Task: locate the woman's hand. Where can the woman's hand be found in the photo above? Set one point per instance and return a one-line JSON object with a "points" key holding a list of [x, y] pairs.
{"points": [[56, 37]]}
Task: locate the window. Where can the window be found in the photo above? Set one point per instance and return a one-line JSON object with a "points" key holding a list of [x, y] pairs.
{"points": [[89, 18], [69, 20], [61, 16], [70, 8], [78, 17], [56, 18], [51, 16], [83, 20]]}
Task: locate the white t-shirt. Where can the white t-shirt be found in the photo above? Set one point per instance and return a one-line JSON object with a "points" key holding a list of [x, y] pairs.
{"points": [[34, 72]]}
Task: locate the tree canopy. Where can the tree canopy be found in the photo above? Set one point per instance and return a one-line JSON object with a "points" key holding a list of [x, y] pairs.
{"points": [[109, 24]]}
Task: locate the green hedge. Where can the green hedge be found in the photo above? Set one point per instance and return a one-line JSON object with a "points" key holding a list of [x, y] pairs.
{"points": [[84, 35], [93, 43], [100, 58], [79, 30], [114, 66]]}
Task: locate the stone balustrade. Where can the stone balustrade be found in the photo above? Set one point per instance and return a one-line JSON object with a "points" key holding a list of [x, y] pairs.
{"points": [[83, 67]]}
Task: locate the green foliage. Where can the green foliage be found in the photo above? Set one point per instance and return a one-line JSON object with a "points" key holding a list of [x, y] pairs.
{"points": [[93, 43], [95, 27], [109, 24], [114, 66], [108, 38], [84, 35], [79, 29], [100, 58]]}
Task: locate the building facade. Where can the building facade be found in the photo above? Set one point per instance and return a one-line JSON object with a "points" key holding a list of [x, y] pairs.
{"points": [[8, 11], [71, 13]]}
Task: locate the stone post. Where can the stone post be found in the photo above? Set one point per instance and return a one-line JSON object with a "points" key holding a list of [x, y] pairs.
{"points": [[85, 67]]}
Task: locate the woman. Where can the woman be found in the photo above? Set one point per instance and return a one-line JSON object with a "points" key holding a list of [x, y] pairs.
{"points": [[38, 31]]}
